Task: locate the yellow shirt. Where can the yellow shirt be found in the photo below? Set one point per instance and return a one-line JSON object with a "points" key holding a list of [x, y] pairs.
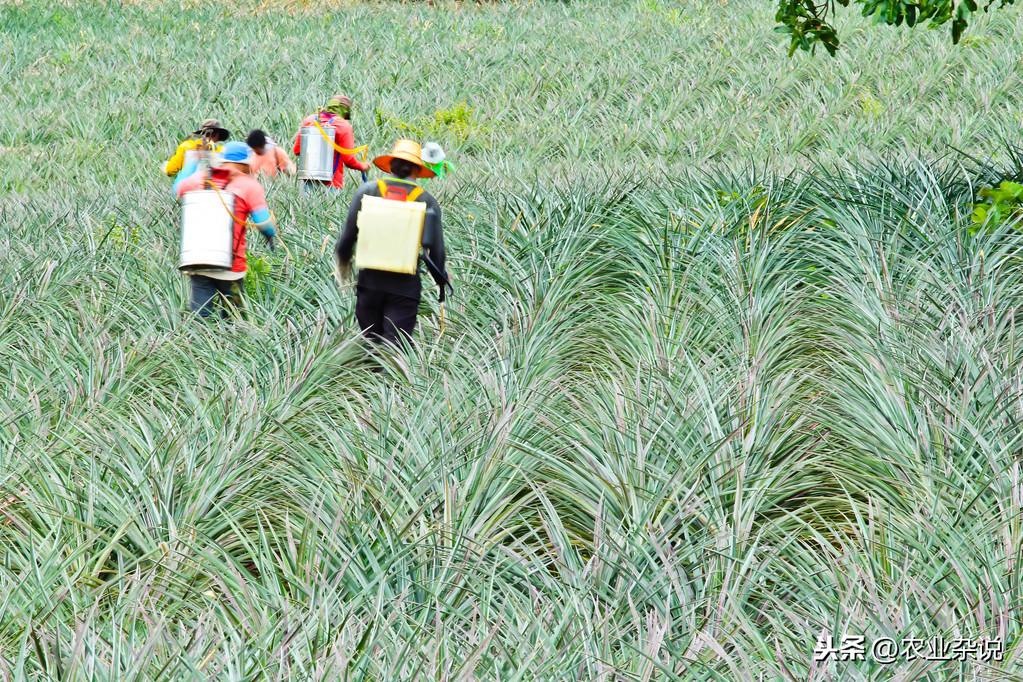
{"points": [[176, 162]]}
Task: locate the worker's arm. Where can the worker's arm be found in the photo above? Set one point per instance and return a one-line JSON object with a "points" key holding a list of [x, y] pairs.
{"points": [[189, 184], [254, 198], [345, 138], [284, 164], [433, 247], [264, 222], [296, 148], [188, 171], [346, 241], [175, 162]]}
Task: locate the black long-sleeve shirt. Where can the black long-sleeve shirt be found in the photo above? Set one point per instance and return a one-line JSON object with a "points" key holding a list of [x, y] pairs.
{"points": [[395, 282]]}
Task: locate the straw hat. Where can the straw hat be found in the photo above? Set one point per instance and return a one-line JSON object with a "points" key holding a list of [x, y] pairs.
{"points": [[406, 150]]}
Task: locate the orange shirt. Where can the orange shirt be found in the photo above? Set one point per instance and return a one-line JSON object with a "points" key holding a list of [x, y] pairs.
{"points": [[272, 160]]}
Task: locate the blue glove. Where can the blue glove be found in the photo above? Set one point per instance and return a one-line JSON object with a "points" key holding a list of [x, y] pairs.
{"points": [[365, 176]]}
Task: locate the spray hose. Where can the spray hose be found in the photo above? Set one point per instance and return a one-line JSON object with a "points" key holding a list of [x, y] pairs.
{"points": [[273, 218], [363, 150]]}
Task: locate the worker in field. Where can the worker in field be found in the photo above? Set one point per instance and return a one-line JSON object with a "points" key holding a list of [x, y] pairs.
{"points": [[325, 162], [209, 137], [232, 177], [392, 224], [267, 157]]}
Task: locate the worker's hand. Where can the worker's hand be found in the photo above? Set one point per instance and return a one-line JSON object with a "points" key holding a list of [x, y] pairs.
{"points": [[365, 176], [342, 272], [269, 242]]}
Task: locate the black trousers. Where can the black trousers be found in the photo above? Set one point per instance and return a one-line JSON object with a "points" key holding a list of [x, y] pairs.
{"points": [[206, 291], [384, 316]]}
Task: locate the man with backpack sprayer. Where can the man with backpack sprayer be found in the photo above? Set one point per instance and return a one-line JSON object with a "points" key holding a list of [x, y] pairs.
{"points": [[340, 148], [233, 182], [209, 137], [388, 223]]}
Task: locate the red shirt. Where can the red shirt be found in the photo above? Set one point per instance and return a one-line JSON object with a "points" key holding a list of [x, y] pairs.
{"points": [[248, 197], [344, 136]]}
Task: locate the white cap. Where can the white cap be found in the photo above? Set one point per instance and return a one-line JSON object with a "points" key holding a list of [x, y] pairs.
{"points": [[432, 153]]}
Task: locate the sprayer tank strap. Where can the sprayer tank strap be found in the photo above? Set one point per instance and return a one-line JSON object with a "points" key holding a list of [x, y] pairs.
{"points": [[397, 193], [212, 185]]}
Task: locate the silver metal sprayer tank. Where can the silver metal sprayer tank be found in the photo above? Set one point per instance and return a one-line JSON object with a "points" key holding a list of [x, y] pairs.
{"points": [[207, 230], [316, 154], [204, 158]]}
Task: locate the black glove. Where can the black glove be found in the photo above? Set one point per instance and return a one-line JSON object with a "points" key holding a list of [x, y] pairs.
{"points": [[269, 242], [445, 288]]}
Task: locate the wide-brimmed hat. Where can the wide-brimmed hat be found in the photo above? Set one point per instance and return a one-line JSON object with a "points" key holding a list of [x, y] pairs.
{"points": [[212, 124], [236, 152], [407, 150]]}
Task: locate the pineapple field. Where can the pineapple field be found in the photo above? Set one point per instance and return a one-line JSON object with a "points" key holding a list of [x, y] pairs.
{"points": [[731, 372]]}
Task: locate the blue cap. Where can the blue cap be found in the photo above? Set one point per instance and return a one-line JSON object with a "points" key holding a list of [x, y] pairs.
{"points": [[236, 152]]}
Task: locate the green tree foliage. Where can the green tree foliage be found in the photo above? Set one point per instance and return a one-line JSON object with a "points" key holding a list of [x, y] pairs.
{"points": [[808, 22]]}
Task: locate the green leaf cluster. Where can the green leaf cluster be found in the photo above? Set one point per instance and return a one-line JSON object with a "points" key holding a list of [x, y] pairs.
{"points": [[1001, 203], [257, 277], [456, 124], [809, 23]]}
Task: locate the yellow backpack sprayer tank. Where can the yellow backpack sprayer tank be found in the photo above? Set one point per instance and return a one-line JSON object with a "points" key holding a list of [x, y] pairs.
{"points": [[390, 234], [316, 157], [207, 230]]}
